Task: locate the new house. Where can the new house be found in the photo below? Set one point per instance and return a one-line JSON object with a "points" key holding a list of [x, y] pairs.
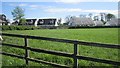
{"points": [[43, 22]]}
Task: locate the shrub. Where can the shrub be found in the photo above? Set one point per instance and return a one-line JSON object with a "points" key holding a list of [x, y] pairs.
{"points": [[14, 27], [22, 21]]}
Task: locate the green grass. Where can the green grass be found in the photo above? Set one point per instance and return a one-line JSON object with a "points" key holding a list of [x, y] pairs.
{"points": [[103, 35]]}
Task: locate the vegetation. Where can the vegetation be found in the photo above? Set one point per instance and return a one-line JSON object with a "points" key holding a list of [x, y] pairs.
{"points": [[14, 27], [22, 21], [103, 35]]}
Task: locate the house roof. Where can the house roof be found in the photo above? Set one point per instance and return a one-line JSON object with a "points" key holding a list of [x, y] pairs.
{"points": [[98, 23], [113, 22], [82, 21]]}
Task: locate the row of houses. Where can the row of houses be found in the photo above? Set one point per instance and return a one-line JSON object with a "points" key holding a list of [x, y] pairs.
{"points": [[43, 21], [83, 21], [74, 21]]}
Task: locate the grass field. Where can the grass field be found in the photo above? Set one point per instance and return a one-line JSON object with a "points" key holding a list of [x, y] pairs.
{"points": [[103, 35]]}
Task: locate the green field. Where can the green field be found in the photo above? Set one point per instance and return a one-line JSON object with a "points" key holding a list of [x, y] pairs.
{"points": [[101, 35]]}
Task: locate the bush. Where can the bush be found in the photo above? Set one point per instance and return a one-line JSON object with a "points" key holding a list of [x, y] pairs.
{"points": [[5, 28], [22, 21], [14, 27], [63, 27]]}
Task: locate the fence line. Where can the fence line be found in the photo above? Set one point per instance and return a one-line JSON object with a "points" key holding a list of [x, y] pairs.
{"points": [[74, 55]]}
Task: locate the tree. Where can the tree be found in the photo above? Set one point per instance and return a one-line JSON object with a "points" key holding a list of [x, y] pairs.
{"points": [[67, 19], [103, 17], [110, 16], [17, 13], [59, 21]]}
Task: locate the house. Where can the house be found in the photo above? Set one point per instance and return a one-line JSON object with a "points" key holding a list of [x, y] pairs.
{"points": [[49, 21], [43, 22], [3, 20], [81, 21], [15, 23], [30, 21], [113, 22]]}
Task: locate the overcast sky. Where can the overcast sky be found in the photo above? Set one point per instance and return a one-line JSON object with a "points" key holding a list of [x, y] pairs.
{"points": [[60, 9]]}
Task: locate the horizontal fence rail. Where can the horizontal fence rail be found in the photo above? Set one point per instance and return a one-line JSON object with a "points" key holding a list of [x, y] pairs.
{"points": [[58, 53], [65, 41]]}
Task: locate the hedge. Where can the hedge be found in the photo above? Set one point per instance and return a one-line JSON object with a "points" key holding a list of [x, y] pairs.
{"points": [[15, 27]]}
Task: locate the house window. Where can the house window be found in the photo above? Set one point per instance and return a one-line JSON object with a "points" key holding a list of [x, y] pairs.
{"points": [[52, 22], [41, 22]]}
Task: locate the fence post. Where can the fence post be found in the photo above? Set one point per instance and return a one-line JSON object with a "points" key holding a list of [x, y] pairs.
{"points": [[75, 58], [26, 51]]}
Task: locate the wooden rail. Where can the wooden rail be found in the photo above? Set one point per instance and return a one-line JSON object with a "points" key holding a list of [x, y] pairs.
{"points": [[75, 55]]}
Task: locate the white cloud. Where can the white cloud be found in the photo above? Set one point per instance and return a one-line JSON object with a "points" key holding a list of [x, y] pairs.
{"points": [[69, 1], [61, 10], [54, 10], [12, 4], [98, 11], [74, 10], [22, 5], [34, 6], [78, 1]]}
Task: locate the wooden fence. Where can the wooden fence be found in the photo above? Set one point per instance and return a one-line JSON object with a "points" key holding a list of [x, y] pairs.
{"points": [[75, 55]]}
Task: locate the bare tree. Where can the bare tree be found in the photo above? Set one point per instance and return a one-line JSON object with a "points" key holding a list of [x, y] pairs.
{"points": [[96, 18], [90, 15], [67, 19], [102, 16], [59, 21]]}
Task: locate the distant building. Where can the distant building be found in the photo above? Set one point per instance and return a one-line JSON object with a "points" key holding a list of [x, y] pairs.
{"points": [[81, 21], [43, 22], [113, 22]]}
